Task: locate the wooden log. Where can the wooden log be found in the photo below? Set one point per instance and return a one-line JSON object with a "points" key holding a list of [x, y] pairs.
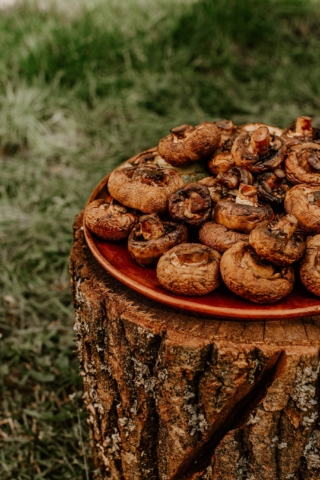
{"points": [[172, 396]]}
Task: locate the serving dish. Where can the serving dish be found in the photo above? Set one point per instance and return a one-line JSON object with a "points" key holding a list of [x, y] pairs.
{"points": [[115, 258]]}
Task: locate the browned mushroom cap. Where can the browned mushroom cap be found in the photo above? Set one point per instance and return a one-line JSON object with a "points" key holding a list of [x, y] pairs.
{"points": [[228, 131], [253, 278], [310, 266], [189, 269], [190, 204], [144, 188], [244, 214], [258, 151], [300, 131], [220, 162], [277, 241], [151, 238], [302, 164], [272, 187], [109, 220], [220, 237], [188, 144], [234, 177], [216, 190], [303, 201], [251, 127]]}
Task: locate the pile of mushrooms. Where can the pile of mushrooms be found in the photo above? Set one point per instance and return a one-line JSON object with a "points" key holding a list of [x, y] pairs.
{"points": [[219, 202]]}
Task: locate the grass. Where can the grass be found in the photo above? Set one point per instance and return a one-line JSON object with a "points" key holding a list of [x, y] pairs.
{"points": [[81, 89]]}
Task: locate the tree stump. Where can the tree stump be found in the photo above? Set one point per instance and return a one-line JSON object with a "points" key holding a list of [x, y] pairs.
{"points": [[171, 396]]}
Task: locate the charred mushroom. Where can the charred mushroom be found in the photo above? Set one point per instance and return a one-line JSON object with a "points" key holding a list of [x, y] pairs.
{"points": [[234, 177], [109, 220], [272, 188], [216, 190], [243, 214], [310, 266], [258, 151], [277, 241], [251, 127], [221, 162], [228, 130], [191, 204], [144, 188], [151, 238], [303, 201], [253, 278], [187, 144], [189, 269], [301, 131], [302, 164], [220, 237]]}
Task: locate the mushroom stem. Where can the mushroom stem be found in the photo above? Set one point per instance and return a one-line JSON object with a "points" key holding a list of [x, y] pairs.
{"points": [[287, 225], [226, 125], [260, 141], [179, 132], [304, 126], [247, 195], [190, 256], [151, 227]]}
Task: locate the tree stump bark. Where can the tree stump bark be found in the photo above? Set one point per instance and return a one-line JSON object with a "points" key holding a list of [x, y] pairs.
{"points": [[171, 396]]}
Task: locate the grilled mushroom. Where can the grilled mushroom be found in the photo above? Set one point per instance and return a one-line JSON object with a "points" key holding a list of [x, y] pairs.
{"points": [[303, 201], [310, 266], [216, 190], [220, 162], [243, 214], [151, 238], [302, 164], [251, 127], [228, 131], [258, 151], [189, 269], [145, 188], [301, 131], [277, 241], [272, 187], [220, 237], [187, 144], [109, 220], [190, 204], [234, 177], [253, 278]]}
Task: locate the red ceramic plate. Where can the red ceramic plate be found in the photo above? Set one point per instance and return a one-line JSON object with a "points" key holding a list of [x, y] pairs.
{"points": [[114, 257]]}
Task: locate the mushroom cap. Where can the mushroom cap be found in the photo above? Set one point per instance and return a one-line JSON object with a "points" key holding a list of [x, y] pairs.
{"points": [[303, 201], [274, 246], [271, 188], [250, 277], [190, 204], [189, 269], [239, 217], [186, 144], [302, 164], [300, 131], [221, 162], [220, 237], [251, 127], [109, 221], [310, 265], [145, 188], [148, 252], [245, 156]]}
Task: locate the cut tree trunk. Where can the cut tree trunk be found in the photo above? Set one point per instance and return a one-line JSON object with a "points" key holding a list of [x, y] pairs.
{"points": [[171, 396]]}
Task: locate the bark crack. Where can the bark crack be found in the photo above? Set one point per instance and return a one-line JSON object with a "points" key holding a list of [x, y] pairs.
{"points": [[236, 417]]}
